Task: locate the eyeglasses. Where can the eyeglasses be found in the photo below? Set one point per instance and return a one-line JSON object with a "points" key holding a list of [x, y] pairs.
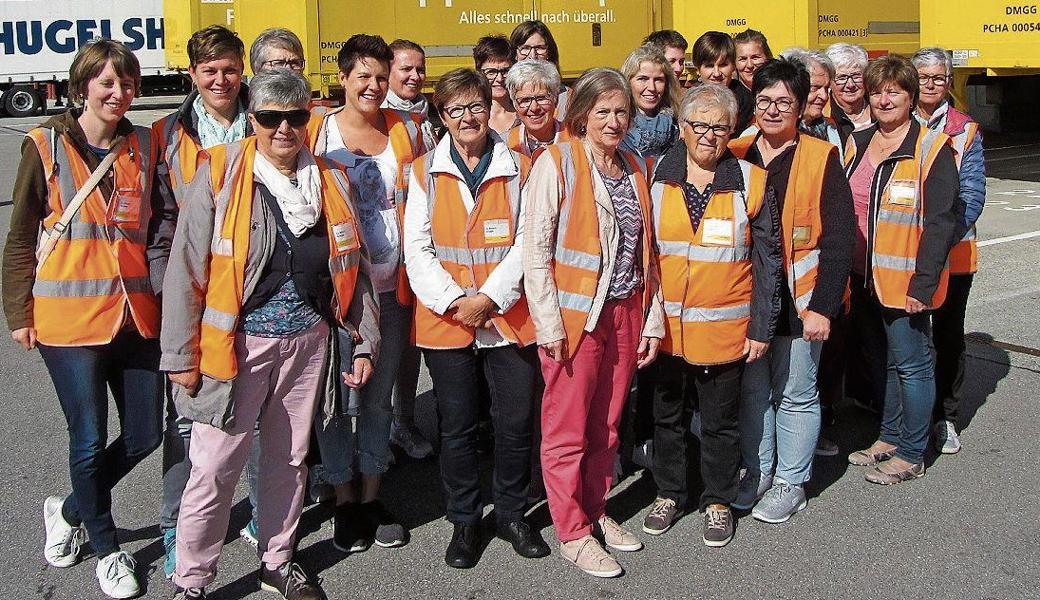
{"points": [[937, 80], [843, 80], [784, 105], [543, 101], [295, 64], [272, 119], [456, 111], [815, 88], [527, 50], [493, 74], [702, 128]]}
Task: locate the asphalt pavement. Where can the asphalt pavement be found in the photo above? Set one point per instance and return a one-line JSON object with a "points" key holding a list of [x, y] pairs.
{"points": [[970, 529]]}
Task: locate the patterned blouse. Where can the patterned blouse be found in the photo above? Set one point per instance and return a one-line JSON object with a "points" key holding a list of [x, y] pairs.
{"points": [[628, 270]]}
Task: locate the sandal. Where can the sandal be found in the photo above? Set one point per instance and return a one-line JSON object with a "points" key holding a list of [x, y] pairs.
{"points": [[876, 475], [871, 456]]}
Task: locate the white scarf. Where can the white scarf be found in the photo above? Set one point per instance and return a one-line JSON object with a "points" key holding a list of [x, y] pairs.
{"points": [[301, 206], [418, 106]]}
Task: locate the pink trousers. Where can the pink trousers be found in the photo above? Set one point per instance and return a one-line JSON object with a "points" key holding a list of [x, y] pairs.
{"points": [[278, 382], [581, 409]]}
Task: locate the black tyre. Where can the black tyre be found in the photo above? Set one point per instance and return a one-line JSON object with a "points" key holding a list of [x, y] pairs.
{"points": [[22, 101]]}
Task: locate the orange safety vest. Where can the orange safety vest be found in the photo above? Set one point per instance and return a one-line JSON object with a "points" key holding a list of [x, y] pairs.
{"points": [[405, 135], [231, 172], [897, 221], [516, 139], [801, 223], [469, 247], [98, 269], [964, 256], [577, 261], [181, 153], [706, 274]]}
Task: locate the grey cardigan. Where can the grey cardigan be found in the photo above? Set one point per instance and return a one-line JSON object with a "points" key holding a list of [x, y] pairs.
{"points": [[184, 301]]}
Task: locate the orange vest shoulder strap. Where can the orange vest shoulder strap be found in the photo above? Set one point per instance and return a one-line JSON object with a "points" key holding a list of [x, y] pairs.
{"points": [[754, 186], [740, 146], [217, 165], [46, 140], [524, 162]]}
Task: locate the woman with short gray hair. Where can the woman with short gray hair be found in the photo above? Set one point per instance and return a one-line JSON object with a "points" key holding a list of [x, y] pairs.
{"points": [[534, 87], [816, 119], [591, 279], [276, 48], [266, 262], [849, 107]]}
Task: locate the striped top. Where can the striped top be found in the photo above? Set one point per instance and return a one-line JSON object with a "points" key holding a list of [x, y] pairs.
{"points": [[627, 277]]}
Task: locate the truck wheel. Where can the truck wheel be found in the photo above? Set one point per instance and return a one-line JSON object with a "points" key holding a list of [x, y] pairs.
{"points": [[21, 101]]}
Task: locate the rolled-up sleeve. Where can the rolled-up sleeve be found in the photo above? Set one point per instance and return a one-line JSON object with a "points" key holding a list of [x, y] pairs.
{"points": [[766, 270], [541, 197], [432, 285]]}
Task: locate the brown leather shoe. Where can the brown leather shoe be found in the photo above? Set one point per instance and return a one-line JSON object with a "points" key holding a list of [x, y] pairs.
{"points": [[887, 476], [290, 581], [871, 456]]}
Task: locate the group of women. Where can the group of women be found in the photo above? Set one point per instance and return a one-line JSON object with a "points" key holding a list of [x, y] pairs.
{"points": [[273, 268]]}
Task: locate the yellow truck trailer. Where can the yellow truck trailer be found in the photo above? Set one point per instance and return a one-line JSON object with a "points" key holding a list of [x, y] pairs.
{"points": [[995, 46], [589, 33], [881, 27], [181, 18]]}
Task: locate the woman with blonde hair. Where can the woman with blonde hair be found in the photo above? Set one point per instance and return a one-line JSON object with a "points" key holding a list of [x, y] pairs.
{"points": [[655, 93]]}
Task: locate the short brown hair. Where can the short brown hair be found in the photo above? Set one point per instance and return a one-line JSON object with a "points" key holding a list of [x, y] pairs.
{"points": [[360, 46], [528, 28], [892, 68], [667, 38], [400, 45], [752, 36], [460, 82], [91, 60], [712, 46], [587, 90], [492, 47], [214, 42]]}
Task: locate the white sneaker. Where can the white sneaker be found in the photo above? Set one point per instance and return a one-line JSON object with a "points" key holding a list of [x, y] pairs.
{"points": [[63, 540], [115, 573], [946, 439]]}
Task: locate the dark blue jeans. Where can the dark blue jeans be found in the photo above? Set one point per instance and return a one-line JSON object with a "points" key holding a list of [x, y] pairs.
{"points": [[910, 393], [82, 376]]}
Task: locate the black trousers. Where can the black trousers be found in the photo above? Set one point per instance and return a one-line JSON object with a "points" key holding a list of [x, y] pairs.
{"points": [[510, 373], [830, 379], [716, 391], [948, 337], [866, 354]]}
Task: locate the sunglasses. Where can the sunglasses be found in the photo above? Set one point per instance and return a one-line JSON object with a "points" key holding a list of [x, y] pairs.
{"points": [[272, 119]]}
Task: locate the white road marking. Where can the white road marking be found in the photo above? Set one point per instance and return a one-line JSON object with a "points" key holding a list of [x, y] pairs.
{"points": [[1010, 238]]}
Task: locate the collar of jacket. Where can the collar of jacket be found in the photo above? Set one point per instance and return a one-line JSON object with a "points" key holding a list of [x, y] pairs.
{"points": [[907, 149], [502, 163], [672, 169], [190, 121], [67, 124]]}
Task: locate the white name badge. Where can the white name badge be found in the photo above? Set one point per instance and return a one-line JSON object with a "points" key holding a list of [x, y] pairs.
{"points": [[345, 236], [496, 231], [718, 232], [902, 192]]}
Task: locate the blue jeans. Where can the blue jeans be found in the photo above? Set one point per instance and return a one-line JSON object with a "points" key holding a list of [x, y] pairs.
{"points": [[348, 450], [780, 410], [82, 376], [910, 394]]}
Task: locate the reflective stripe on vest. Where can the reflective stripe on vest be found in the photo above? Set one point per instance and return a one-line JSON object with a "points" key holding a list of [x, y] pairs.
{"points": [[231, 172], [462, 245], [898, 221], [706, 282], [405, 137], [577, 260], [181, 152], [98, 269]]}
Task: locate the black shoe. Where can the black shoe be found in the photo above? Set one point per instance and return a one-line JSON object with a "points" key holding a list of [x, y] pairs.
{"points": [[464, 548], [290, 581], [525, 540], [350, 529], [383, 527]]}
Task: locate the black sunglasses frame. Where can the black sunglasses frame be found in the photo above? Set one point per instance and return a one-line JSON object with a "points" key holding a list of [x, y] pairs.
{"points": [[272, 119]]}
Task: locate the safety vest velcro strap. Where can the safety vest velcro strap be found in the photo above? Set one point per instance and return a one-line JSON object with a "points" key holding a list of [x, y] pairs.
{"points": [[576, 258], [219, 319], [897, 217], [85, 288], [472, 256], [696, 314], [706, 254], [572, 301], [895, 263]]}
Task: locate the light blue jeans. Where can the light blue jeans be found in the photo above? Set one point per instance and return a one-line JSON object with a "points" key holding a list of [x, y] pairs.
{"points": [[780, 410], [357, 442], [910, 395]]}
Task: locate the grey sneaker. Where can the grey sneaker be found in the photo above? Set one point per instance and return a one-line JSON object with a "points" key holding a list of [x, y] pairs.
{"points": [[718, 525], [780, 502], [946, 439], [408, 437], [662, 515], [751, 489]]}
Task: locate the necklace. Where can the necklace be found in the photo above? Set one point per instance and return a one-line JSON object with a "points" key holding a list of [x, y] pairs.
{"points": [[898, 135]]}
